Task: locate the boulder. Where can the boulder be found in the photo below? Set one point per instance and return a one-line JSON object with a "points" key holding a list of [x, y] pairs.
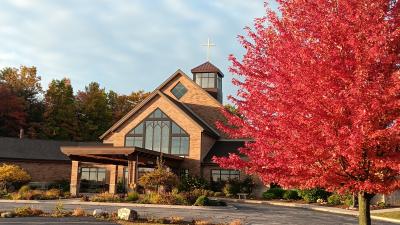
{"points": [[127, 214], [100, 213], [7, 215]]}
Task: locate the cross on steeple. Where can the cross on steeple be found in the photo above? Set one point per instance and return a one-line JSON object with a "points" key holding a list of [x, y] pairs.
{"points": [[208, 45]]}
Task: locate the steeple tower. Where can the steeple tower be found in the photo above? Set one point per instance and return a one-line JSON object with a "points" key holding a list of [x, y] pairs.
{"points": [[209, 77]]}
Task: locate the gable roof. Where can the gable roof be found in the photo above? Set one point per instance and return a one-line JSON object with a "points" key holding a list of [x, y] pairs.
{"points": [[184, 109], [207, 67], [36, 149], [192, 115], [222, 148], [209, 129]]}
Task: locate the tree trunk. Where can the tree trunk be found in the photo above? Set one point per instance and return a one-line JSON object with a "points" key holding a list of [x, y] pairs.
{"points": [[364, 217]]}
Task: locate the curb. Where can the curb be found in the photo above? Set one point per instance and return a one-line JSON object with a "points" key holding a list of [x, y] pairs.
{"points": [[385, 219], [118, 204], [310, 207]]}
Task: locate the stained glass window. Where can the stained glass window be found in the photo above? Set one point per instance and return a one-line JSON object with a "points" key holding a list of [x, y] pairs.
{"points": [[159, 133]]}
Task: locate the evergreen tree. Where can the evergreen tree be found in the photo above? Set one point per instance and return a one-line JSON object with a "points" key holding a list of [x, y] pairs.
{"points": [[95, 115], [60, 112]]}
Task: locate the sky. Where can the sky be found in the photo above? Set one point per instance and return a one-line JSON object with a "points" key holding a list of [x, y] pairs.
{"points": [[123, 45]]}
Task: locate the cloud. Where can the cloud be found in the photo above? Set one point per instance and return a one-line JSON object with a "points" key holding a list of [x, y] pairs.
{"points": [[124, 45]]}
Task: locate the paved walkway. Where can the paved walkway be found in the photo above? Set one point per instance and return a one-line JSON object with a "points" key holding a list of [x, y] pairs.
{"points": [[252, 214], [54, 221]]}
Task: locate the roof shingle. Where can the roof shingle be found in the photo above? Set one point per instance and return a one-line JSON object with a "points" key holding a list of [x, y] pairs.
{"points": [[35, 149], [223, 148], [207, 67]]}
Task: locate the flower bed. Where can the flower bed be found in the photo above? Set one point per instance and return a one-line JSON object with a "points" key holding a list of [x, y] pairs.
{"points": [[59, 211], [196, 197]]}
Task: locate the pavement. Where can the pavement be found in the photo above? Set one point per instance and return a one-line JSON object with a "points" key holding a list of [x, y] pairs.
{"points": [[249, 213]]}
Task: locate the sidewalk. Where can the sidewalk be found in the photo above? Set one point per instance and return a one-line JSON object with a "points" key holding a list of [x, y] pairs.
{"points": [[317, 208], [117, 204]]}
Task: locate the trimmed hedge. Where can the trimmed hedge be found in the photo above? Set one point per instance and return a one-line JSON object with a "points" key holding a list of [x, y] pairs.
{"points": [[291, 195], [312, 195]]}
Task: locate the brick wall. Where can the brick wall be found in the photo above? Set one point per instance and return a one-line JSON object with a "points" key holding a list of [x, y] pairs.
{"points": [[45, 171], [192, 161], [203, 104]]}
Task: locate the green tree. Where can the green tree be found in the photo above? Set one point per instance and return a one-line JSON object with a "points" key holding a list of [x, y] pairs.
{"points": [[95, 115], [25, 83], [60, 113], [121, 104]]}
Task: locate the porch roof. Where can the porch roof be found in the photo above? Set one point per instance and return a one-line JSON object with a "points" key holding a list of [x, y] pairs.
{"points": [[108, 154]]}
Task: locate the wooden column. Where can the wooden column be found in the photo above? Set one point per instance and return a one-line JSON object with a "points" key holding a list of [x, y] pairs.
{"points": [[113, 179], [74, 185], [132, 174]]}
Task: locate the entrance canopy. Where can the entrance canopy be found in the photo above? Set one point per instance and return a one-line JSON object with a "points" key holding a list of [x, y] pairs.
{"points": [[119, 155]]}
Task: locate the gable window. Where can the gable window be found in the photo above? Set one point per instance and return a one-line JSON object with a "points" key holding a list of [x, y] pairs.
{"points": [[224, 175], [206, 80], [159, 133], [179, 90]]}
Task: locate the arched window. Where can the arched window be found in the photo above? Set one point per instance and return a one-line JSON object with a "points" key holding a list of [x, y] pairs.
{"points": [[159, 133]]}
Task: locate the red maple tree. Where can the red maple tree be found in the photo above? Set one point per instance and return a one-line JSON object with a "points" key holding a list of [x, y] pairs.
{"points": [[319, 95], [12, 115]]}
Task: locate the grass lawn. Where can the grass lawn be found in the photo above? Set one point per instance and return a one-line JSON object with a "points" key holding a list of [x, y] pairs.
{"points": [[391, 215]]}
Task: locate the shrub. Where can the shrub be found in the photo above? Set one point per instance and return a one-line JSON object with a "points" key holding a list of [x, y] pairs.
{"points": [[62, 185], [218, 194], [268, 196], [27, 211], [231, 188], [52, 194], [105, 197], [247, 185], [176, 219], [79, 212], [158, 178], [59, 210], [348, 201], [190, 183], [312, 195], [334, 199], [291, 195], [13, 176], [132, 196], [202, 201], [274, 193], [24, 189]]}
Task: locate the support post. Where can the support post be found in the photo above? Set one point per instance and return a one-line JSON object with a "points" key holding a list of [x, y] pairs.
{"points": [[75, 179], [113, 179], [132, 174]]}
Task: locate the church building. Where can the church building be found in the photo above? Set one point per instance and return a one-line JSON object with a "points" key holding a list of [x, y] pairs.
{"points": [[175, 122]]}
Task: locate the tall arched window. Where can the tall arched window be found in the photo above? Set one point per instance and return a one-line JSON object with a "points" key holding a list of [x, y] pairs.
{"points": [[159, 133]]}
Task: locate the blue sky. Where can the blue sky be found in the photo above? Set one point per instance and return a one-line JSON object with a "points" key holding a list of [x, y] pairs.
{"points": [[124, 45]]}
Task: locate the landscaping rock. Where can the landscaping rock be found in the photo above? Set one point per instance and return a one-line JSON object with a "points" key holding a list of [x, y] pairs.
{"points": [[127, 214], [99, 213], [7, 215]]}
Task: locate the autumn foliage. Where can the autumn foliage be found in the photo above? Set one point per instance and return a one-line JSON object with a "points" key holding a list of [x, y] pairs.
{"points": [[319, 96]]}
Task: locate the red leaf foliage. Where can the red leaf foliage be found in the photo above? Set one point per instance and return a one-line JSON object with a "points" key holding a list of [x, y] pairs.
{"points": [[319, 95], [12, 115]]}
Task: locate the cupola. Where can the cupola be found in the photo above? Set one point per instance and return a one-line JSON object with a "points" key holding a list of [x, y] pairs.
{"points": [[209, 77]]}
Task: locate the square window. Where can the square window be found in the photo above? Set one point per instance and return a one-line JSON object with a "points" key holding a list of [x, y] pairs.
{"points": [[179, 90]]}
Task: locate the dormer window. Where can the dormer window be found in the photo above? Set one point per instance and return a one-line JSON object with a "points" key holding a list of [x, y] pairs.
{"points": [[206, 80], [179, 90]]}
